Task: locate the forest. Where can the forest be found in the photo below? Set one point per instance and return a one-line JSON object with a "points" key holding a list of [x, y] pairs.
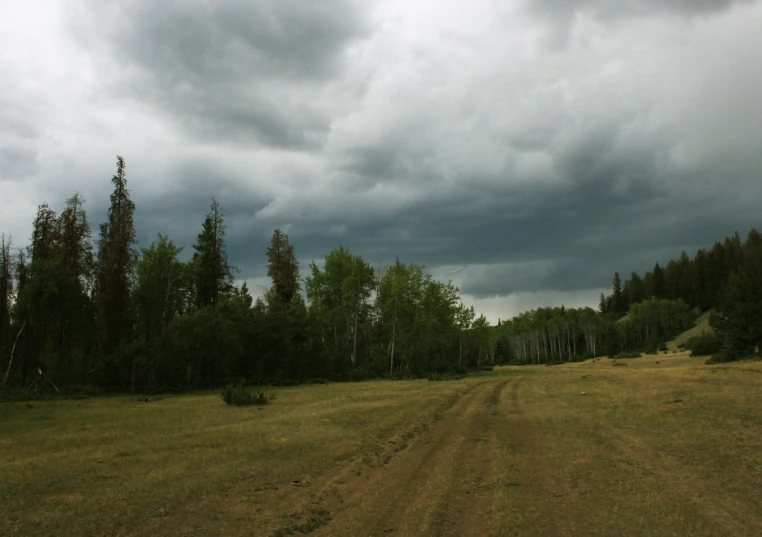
{"points": [[78, 311]]}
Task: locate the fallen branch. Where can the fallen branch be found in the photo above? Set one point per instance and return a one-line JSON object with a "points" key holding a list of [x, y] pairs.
{"points": [[13, 349]]}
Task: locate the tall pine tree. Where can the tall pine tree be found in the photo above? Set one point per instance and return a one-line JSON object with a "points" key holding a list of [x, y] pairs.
{"points": [[117, 258], [213, 274], [283, 268]]}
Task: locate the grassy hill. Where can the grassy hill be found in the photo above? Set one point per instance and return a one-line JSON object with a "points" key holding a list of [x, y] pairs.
{"points": [[701, 327]]}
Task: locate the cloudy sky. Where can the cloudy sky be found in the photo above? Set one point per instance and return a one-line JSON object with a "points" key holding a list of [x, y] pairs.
{"points": [[524, 149]]}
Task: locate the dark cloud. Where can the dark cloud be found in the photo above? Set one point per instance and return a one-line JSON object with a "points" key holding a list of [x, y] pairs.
{"points": [[610, 9], [423, 130], [229, 71]]}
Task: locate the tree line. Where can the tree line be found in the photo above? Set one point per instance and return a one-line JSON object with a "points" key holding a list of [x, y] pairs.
{"points": [[726, 279], [82, 311]]}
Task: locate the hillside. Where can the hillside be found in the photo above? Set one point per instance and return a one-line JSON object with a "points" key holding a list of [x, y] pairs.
{"points": [[701, 327]]}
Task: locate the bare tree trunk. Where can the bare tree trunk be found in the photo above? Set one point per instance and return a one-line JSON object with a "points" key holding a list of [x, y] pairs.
{"points": [[13, 349], [354, 344]]}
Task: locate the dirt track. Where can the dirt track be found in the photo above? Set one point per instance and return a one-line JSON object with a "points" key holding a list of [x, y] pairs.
{"points": [[439, 484], [483, 467]]}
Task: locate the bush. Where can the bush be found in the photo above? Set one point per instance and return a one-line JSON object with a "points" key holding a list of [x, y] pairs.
{"points": [[486, 368], [663, 347], [237, 395], [630, 355], [615, 364], [318, 381], [285, 382], [446, 376], [704, 345], [554, 363]]}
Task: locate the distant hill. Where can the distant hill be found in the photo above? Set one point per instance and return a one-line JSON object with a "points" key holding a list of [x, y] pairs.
{"points": [[701, 327]]}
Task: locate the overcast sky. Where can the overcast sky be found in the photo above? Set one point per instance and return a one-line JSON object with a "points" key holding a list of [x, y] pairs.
{"points": [[524, 149]]}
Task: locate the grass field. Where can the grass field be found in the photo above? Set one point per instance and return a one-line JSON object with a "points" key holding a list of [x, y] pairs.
{"points": [[667, 448]]}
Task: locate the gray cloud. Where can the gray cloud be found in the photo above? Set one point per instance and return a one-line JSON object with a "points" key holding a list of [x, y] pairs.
{"points": [[235, 71], [423, 130]]}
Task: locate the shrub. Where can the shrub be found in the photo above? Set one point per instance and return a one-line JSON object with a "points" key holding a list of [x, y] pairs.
{"points": [[629, 355], [486, 368], [663, 347], [234, 394], [285, 382], [318, 381], [615, 364], [704, 345], [446, 376], [553, 363]]}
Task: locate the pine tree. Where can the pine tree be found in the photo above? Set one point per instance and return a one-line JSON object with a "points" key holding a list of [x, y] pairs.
{"points": [[618, 305], [283, 267], [213, 274], [44, 230], [738, 318], [73, 239], [659, 289], [116, 264], [636, 289]]}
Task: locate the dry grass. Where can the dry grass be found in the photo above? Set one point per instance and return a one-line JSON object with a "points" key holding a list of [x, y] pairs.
{"points": [[673, 448], [116, 466], [651, 449]]}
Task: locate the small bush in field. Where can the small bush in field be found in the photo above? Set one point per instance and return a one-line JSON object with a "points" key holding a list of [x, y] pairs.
{"points": [[236, 395]]}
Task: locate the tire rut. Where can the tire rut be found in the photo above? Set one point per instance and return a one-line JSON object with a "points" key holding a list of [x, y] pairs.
{"points": [[439, 485]]}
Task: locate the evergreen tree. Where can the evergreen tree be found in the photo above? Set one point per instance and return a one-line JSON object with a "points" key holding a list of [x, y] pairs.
{"points": [[618, 305], [116, 265], [283, 267], [44, 230], [636, 289], [738, 318], [659, 285], [214, 277]]}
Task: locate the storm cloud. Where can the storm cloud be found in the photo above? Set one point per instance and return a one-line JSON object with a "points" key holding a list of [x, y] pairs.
{"points": [[525, 150]]}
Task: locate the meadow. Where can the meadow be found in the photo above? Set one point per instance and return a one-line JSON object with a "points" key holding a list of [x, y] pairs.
{"points": [[663, 445]]}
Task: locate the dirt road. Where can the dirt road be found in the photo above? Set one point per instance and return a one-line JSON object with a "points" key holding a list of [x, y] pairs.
{"points": [[483, 466]]}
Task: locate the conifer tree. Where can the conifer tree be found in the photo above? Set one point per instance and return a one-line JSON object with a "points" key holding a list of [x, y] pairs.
{"points": [[283, 267], [213, 274], [117, 258], [659, 285], [618, 305]]}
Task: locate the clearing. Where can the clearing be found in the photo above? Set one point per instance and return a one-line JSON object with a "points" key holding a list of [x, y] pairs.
{"points": [[662, 446]]}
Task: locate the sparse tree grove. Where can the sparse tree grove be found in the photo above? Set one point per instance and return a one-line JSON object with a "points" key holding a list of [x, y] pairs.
{"points": [[74, 313]]}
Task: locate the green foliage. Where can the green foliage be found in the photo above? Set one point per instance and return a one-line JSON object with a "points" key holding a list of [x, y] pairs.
{"points": [[116, 265], [446, 376], [704, 345], [629, 355], [738, 318], [212, 273], [238, 395]]}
